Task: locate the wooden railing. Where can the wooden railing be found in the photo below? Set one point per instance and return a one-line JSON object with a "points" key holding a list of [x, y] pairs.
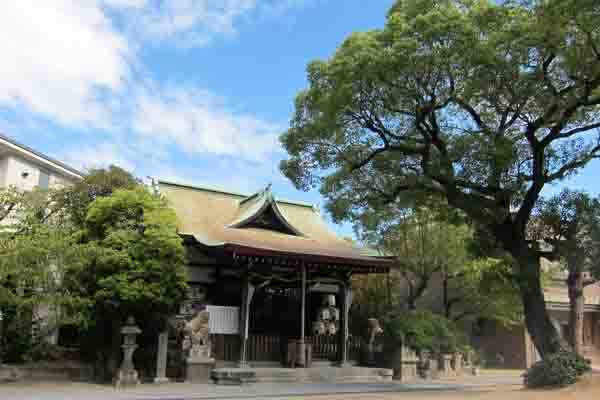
{"points": [[324, 347], [264, 348], [268, 348], [225, 347]]}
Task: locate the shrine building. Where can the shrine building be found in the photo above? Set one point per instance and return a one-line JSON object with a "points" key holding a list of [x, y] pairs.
{"points": [[272, 275]]}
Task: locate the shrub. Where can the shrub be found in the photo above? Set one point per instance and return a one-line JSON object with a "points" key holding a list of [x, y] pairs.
{"points": [[557, 370], [423, 330], [44, 351]]}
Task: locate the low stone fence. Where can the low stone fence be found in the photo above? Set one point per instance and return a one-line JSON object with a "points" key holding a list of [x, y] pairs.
{"points": [[445, 365], [47, 371], [407, 365]]}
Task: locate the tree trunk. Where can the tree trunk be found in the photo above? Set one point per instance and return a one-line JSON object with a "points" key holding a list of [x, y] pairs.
{"points": [[445, 299], [543, 334], [576, 309]]}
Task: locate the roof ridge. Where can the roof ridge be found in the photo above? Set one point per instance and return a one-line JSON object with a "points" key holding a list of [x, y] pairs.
{"points": [[41, 155], [246, 197]]}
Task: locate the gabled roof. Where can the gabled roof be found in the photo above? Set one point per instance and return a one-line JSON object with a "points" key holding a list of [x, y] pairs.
{"points": [[38, 157], [262, 207], [228, 221]]}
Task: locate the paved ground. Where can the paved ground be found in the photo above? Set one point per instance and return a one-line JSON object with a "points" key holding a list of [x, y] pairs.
{"points": [[492, 385], [78, 391]]}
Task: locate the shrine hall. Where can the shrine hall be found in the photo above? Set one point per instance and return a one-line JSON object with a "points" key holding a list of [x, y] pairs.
{"points": [[274, 277]]}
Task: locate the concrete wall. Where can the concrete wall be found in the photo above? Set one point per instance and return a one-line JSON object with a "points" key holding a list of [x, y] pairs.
{"points": [[25, 175], [3, 169]]}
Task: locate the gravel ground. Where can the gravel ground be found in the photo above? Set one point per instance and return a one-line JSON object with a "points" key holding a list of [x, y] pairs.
{"points": [[493, 385]]}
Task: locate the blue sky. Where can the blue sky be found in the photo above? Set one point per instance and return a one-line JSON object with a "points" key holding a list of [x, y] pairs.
{"points": [[190, 90]]}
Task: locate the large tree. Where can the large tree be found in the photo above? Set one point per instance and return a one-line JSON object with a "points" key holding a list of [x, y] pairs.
{"points": [[37, 245], [135, 266], [570, 223], [436, 267], [97, 183], [479, 102]]}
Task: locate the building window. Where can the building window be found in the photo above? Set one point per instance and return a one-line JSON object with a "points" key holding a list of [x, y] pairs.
{"points": [[44, 182]]}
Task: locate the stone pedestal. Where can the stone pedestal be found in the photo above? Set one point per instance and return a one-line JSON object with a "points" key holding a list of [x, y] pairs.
{"points": [[457, 363], [445, 365], [199, 365], [197, 371], [126, 377], [410, 364], [301, 357], [404, 362], [428, 367]]}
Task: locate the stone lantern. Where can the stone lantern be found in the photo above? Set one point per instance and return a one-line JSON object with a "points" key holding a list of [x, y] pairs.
{"points": [[127, 375]]}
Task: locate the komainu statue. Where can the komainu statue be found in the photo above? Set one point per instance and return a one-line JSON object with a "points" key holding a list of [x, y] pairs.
{"points": [[374, 330], [374, 342], [197, 336]]}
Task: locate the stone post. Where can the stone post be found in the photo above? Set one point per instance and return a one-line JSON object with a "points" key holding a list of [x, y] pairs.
{"points": [[457, 363], [445, 365], [161, 358], [346, 292], [127, 375]]}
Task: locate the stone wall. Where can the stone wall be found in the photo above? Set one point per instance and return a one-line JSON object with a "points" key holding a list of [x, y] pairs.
{"points": [[47, 371]]}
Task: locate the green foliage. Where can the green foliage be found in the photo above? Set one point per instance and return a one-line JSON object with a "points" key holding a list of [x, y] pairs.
{"points": [[97, 183], [478, 102], [423, 330], [557, 370], [37, 246], [570, 222], [86, 255], [136, 257], [435, 268]]}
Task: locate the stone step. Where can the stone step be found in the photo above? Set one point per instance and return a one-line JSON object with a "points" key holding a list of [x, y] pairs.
{"points": [[323, 375]]}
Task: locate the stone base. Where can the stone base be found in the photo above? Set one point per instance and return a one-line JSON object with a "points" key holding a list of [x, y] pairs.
{"points": [[406, 371], [199, 371], [10, 374], [233, 376], [126, 379]]}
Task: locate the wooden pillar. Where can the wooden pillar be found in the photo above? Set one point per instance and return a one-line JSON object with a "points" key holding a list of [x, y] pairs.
{"points": [[346, 298], [247, 293], [301, 343]]}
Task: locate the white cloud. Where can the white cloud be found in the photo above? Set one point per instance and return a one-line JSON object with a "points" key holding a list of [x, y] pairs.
{"points": [[126, 3], [193, 23], [199, 20], [100, 155], [65, 61], [59, 58], [198, 122]]}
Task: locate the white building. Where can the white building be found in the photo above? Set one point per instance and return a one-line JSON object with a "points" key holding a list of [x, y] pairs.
{"points": [[26, 168]]}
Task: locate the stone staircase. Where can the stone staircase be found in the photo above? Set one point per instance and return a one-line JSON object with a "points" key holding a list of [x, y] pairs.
{"points": [[322, 374]]}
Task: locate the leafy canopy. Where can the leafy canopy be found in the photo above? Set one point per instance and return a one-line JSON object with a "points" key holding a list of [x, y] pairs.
{"points": [[479, 102], [570, 223], [37, 247], [137, 261], [96, 183], [436, 268]]}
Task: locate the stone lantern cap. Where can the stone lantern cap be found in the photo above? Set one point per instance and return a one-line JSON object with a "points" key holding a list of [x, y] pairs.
{"points": [[130, 327]]}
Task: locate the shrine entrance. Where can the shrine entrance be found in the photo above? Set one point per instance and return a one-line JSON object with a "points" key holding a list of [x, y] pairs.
{"points": [[277, 280], [290, 307]]}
